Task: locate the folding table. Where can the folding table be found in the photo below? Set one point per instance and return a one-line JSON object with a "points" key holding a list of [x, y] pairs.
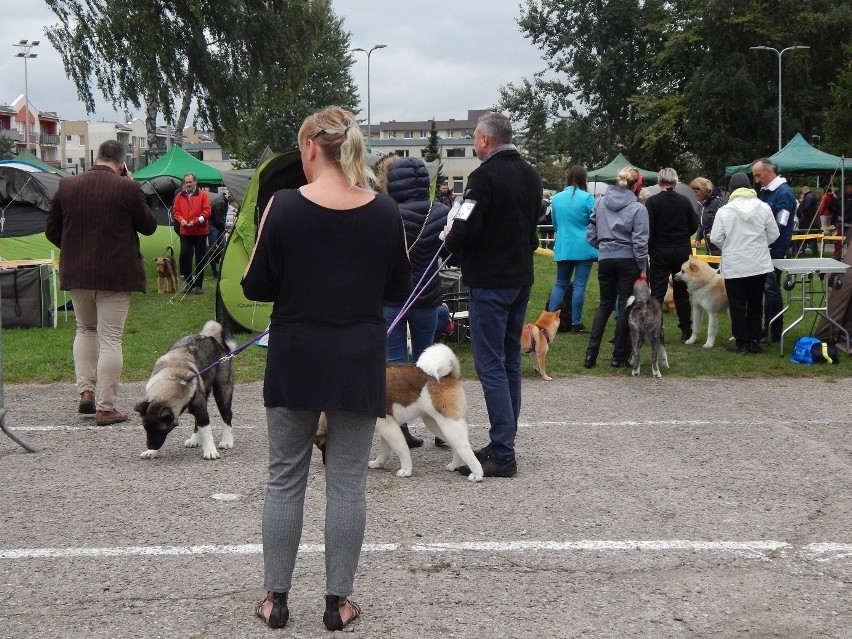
{"points": [[808, 271]]}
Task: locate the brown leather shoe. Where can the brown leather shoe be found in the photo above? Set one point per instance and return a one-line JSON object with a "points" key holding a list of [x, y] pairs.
{"points": [[87, 403], [107, 417]]}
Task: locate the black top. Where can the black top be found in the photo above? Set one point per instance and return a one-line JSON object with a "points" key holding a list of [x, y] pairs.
{"points": [[327, 272], [497, 241], [672, 220]]}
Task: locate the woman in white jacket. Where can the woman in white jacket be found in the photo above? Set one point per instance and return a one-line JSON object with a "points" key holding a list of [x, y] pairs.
{"points": [[744, 228]]}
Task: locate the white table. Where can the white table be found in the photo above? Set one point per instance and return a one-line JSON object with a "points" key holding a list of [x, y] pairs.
{"points": [[808, 270]]}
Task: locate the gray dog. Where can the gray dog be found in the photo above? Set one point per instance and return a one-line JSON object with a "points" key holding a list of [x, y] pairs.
{"points": [[645, 318], [176, 386]]}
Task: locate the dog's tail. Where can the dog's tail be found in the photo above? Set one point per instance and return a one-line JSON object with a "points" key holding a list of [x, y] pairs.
{"points": [[438, 361], [215, 330], [170, 249]]}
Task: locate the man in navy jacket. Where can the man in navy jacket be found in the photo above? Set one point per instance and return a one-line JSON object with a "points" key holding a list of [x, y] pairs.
{"points": [[780, 197], [496, 241]]}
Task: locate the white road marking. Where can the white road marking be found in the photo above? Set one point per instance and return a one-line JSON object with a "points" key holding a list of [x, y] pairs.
{"points": [[818, 551], [122, 426]]}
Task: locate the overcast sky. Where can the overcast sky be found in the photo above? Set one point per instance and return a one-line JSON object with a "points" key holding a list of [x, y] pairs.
{"points": [[442, 58]]}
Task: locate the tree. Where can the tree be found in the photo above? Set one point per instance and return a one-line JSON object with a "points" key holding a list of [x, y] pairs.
{"points": [[158, 53], [7, 148], [432, 152], [279, 110]]}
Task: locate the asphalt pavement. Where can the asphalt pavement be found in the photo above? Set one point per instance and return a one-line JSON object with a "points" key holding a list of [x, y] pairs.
{"points": [[672, 508]]}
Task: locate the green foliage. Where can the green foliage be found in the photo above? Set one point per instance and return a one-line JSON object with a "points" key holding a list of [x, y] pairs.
{"points": [[7, 148], [432, 152], [279, 109], [155, 52], [674, 83]]}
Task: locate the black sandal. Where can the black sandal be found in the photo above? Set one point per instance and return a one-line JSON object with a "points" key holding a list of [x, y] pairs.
{"points": [[280, 613], [332, 618]]}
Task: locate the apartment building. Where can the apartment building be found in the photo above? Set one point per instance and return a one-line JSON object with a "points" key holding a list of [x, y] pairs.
{"points": [[455, 143], [30, 128]]}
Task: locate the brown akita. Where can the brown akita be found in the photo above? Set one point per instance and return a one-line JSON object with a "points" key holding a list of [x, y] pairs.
{"points": [[536, 338]]}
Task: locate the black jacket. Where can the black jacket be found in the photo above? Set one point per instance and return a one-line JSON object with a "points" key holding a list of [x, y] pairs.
{"points": [[672, 220], [407, 182], [497, 241]]}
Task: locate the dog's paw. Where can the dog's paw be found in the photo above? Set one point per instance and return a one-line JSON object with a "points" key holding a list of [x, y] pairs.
{"points": [[634, 372], [547, 378], [226, 444], [211, 454], [149, 454], [402, 472], [691, 340], [708, 344], [374, 464], [474, 477], [192, 442], [658, 374]]}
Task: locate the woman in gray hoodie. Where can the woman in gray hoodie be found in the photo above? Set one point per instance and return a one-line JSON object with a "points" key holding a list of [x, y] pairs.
{"points": [[618, 228]]}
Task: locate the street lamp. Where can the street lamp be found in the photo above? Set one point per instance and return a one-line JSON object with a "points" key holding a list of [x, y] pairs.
{"points": [[26, 48], [369, 130], [780, 53]]}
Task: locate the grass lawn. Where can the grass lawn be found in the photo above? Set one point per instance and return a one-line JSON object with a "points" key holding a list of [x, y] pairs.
{"points": [[154, 323]]}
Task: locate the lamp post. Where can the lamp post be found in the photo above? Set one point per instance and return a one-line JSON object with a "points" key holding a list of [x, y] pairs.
{"points": [[369, 129], [779, 53], [25, 52]]}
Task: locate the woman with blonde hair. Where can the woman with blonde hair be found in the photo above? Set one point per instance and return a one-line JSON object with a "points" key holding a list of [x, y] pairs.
{"points": [[618, 228], [711, 200], [326, 350]]}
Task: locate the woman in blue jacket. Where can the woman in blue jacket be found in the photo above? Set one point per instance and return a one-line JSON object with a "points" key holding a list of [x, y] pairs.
{"points": [[572, 252]]}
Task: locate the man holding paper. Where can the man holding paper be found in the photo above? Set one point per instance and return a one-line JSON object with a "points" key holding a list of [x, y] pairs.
{"points": [[494, 233]]}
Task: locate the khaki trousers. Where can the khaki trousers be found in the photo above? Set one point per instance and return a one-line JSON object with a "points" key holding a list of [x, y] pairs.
{"points": [[98, 358]]}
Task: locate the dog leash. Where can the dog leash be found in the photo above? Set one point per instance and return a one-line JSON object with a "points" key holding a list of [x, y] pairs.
{"points": [[418, 290], [239, 349]]}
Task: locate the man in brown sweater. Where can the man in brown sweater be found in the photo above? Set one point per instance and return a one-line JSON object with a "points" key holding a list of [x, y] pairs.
{"points": [[94, 219]]}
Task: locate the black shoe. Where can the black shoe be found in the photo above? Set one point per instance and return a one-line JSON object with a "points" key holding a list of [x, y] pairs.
{"points": [[198, 290], [591, 359], [483, 453], [617, 362], [493, 467], [411, 440], [754, 347], [579, 328], [685, 335], [744, 350], [440, 443]]}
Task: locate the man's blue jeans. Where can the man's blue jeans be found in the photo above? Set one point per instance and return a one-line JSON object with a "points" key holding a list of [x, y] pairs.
{"points": [[496, 321]]}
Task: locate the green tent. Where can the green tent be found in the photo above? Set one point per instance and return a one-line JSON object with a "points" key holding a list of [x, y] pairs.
{"points": [[608, 172], [281, 171], [176, 163], [799, 157]]}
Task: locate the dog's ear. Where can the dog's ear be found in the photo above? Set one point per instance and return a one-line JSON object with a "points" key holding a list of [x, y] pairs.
{"points": [[142, 407], [558, 312]]}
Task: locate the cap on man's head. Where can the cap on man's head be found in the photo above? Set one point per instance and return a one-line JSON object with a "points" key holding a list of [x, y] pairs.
{"points": [[739, 181]]}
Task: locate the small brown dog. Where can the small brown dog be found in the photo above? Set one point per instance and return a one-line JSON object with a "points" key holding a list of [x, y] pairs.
{"points": [[536, 338], [167, 272], [668, 300]]}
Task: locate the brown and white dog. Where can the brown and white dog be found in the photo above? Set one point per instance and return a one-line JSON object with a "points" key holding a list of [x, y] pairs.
{"points": [[167, 272], [177, 385], [432, 391], [536, 338], [708, 295]]}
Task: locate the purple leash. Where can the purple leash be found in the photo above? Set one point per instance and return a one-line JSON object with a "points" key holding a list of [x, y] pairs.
{"points": [[417, 290], [239, 349]]}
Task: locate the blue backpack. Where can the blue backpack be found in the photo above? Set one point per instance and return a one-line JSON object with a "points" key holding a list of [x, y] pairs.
{"points": [[808, 350]]}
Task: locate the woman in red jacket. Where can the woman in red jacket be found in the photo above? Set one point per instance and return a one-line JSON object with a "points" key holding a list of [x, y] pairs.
{"points": [[191, 209]]}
